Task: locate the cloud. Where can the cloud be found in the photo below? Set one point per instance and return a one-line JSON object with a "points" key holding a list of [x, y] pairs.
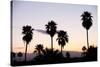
{"points": [[41, 31]]}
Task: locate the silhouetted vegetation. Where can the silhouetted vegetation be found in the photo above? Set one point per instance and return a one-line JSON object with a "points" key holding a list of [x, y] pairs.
{"points": [[91, 53], [51, 30], [39, 49], [51, 55], [62, 38], [87, 23], [84, 51], [27, 32], [46, 56]]}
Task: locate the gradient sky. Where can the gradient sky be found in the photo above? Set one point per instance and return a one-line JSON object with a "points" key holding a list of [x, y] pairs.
{"points": [[67, 17]]}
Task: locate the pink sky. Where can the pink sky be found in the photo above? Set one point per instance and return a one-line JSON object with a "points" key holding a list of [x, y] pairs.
{"points": [[67, 17]]}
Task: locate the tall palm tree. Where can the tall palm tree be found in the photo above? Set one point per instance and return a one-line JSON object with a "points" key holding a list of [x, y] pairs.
{"points": [[51, 30], [86, 23], [39, 48], [28, 34], [62, 38]]}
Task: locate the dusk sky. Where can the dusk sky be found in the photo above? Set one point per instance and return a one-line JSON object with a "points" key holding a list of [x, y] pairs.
{"points": [[66, 16]]}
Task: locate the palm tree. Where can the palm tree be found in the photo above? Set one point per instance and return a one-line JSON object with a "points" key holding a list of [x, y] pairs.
{"points": [[27, 32], [84, 51], [48, 56], [62, 38], [51, 30], [39, 49], [86, 23]]}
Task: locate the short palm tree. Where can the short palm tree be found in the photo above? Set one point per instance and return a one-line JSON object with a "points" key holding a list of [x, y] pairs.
{"points": [[19, 54], [86, 23], [84, 51], [39, 48], [51, 30], [62, 38], [28, 34]]}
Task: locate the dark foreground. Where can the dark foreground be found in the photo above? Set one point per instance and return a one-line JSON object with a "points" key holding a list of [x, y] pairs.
{"points": [[22, 63], [54, 57]]}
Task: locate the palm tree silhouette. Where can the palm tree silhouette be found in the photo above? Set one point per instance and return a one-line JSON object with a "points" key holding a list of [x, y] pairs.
{"points": [[27, 32], [62, 38], [92, 53], [84, 48], [49, 56], [51, 30], [39, 49], [84, 51], [86, 23]]}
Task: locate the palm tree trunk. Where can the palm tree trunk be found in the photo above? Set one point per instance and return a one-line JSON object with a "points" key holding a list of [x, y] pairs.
{"points": [[61, 49], [87, 39], [25, 52], [39, 52], [52, 43]]}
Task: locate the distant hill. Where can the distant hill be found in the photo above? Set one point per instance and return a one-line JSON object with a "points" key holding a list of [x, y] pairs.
{"points": [[73, 53], [31, 56]]}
